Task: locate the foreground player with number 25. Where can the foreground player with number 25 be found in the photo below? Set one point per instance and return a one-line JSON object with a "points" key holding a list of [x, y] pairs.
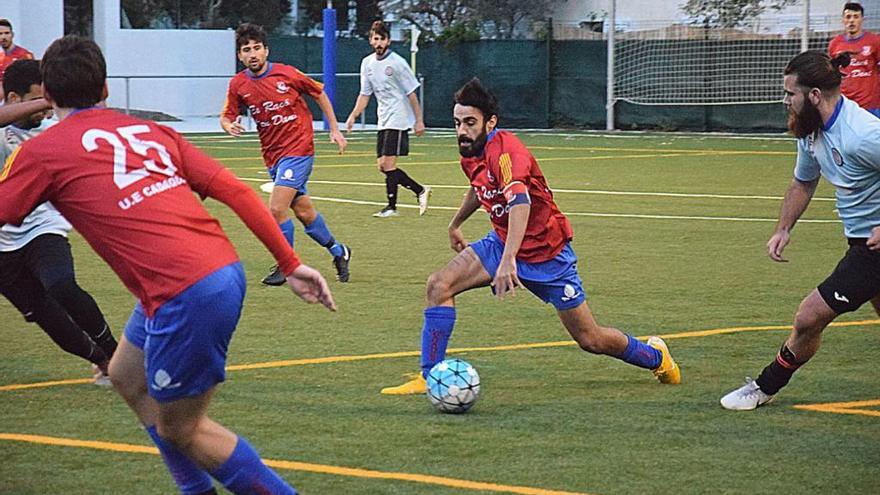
{"points": [[127, 186]]}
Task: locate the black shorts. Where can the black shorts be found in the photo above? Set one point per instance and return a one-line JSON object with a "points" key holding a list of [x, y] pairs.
{"points": [[27, 273], [855, 280], [392, 142]]}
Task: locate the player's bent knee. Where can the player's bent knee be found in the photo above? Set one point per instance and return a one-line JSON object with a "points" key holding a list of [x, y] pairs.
{"points": [[589, 341], [128, 385], [279, 213], [813, 315], [438, 288], [807, 322], [590, 345], [178, 433], [305, 215], [65, 289]]}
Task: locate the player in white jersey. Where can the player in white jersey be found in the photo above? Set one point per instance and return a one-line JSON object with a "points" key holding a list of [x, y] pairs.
{"points": [[386, 75], [840, 141], [36, 264]]}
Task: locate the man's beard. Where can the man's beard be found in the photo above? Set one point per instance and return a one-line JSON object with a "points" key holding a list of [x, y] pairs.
{"points": [[28, 124], [468, 148], [31, 122], [805, 122], [381, 50]]}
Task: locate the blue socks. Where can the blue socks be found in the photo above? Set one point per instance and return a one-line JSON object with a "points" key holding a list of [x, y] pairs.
{"points": [[641, 354], [318, 231], [245, 474], [287, 230], [439, 322], [189, 477]]}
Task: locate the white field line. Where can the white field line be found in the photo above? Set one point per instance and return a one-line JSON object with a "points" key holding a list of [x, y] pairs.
{"points": [[584, 191], [568, 213], [443, 133], [211, 143], [584, 214]]}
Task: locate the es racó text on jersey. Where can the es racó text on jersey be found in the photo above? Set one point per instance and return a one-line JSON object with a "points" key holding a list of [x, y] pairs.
{"points": [[265, 115], [490, 195]]}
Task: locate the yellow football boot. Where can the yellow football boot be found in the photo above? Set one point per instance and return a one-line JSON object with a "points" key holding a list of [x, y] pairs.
{"points": [[417, 385], [668, 372]]}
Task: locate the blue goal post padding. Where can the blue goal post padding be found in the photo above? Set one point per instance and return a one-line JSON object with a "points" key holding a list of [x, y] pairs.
{"points": [[329, 58]]}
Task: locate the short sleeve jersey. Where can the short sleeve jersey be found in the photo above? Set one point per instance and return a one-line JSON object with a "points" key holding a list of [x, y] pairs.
{"points": [[507, 161], [392, 81], [861, 81], [7, 57], [846, 151], [275, 100], [127, 186]]}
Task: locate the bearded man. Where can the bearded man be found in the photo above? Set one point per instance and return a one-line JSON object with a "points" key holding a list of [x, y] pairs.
{"points": [[840, 141]]}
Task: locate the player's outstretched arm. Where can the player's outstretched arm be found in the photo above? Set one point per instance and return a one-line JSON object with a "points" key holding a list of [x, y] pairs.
{"points": [[359, 106], [419, 126], [506, 280], [232, 127], [327, 107], [797, 198], [13, 112], [309, 284], [469, 205]]}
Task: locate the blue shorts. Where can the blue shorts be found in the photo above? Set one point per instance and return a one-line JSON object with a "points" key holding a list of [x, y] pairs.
{"points": [[554, 281], [293, 172], [875, 112], [185, 341]]}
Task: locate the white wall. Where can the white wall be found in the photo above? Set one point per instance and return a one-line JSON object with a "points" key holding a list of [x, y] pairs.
{"points": [[36, 23], [165, 52]]}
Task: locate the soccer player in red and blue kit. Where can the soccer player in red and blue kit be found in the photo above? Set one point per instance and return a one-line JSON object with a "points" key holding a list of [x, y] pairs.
{"points": [[10, 51], [127, 186], [273, 93], [529, 247], [861, 82]]}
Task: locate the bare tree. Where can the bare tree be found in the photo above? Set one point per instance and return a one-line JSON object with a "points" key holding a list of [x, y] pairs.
{"points": [[432, 17], [730, 13], [204, 13], [509, 15]]}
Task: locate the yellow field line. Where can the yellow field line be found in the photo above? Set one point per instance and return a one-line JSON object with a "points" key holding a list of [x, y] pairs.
{"points": [[844, 407], [457, 350], [299, 466], [54, 383]]}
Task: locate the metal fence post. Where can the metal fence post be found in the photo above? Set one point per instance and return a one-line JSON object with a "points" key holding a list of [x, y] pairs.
{"points": [[805, 28], [127, 96], [609, 96], [422, 95]]}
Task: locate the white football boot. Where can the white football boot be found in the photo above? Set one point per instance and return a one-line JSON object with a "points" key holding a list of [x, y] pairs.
{"points": [[423, 200], [746, 398]]}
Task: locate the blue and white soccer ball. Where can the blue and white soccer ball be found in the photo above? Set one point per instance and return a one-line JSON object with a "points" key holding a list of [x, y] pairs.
{"points": [[453, 386]]}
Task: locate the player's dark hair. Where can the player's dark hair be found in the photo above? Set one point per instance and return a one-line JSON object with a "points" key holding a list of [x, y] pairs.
{"points": [[379, 27], [74, 72], [855, 7], [815, 69], [248, 32], [5, 22], [20, 76], [474, 94]]}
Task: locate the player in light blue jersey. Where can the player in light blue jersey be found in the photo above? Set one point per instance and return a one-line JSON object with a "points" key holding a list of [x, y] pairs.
{"points": [[840, 141]]}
